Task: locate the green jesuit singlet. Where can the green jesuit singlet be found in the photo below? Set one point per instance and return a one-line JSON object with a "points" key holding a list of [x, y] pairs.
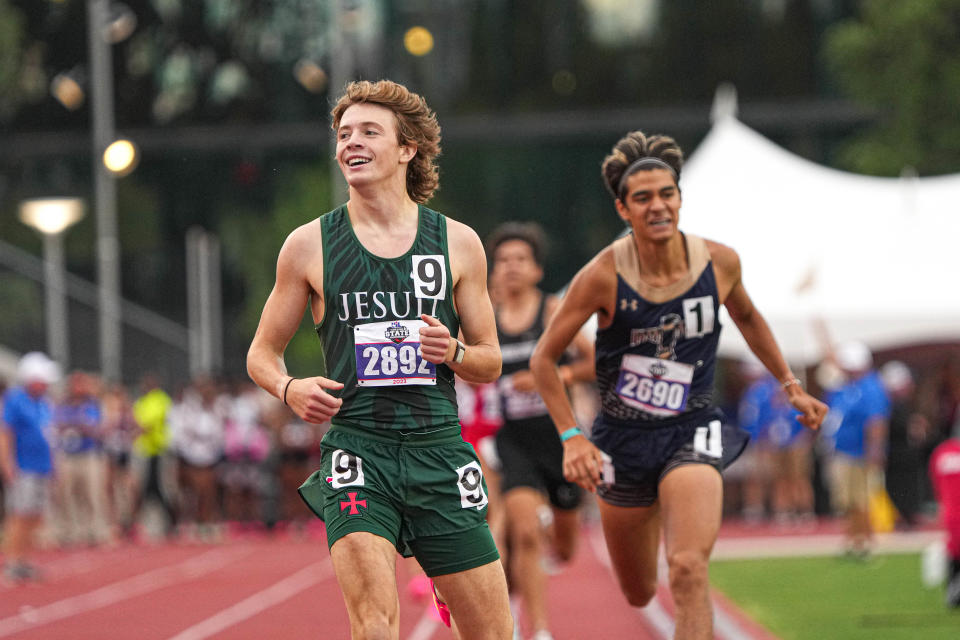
{"points": [[371, 322]]}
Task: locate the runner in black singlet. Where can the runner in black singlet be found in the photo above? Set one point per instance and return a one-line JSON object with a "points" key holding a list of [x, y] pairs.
{"points": [[530, 454]]}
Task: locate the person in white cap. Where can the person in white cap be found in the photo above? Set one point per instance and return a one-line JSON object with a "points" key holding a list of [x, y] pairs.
{"points": [[25, 461], [857, 422]]}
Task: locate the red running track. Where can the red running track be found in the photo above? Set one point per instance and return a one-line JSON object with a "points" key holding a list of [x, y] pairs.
{"points": [[283, 586]]}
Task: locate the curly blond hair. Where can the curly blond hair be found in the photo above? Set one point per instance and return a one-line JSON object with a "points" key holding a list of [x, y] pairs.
{"points": [[416, 124]]}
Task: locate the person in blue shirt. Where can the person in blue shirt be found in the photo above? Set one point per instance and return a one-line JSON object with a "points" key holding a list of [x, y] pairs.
{"points": [[857, 428], [81, 483], [753, 467], [25, 461], [786, 449]]}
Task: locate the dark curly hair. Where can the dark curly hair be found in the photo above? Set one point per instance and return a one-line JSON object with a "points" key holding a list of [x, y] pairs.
{"points": [[635, 146], [529, 232]]}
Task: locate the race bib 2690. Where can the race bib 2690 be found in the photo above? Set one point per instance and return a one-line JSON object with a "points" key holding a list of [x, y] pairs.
{"points": [[654, 385]]}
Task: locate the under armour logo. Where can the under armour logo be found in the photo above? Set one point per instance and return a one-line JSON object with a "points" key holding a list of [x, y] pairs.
{"points": [[633, 304], [352, 504]]}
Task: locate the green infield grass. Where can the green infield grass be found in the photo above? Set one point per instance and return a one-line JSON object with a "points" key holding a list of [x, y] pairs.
{"points": [[824, 598]]}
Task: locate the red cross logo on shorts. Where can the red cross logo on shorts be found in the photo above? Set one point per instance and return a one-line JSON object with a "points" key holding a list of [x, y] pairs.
{"points": [[352, 504]]}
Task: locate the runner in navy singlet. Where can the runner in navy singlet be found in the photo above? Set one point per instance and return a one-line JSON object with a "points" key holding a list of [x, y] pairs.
{"points": [[658, 444]]}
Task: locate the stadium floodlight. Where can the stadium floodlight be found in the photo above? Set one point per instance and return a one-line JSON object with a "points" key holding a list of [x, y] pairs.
{"points": [[51, 217], [67, 88], [121, 157], [418, 41], [310, 75]]}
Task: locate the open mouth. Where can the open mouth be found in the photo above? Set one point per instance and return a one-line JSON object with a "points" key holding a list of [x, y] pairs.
{"points": [[356, 162], [660, 223]]}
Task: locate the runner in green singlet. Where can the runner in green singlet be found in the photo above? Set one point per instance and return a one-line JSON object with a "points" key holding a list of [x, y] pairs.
{"points": [[391, 286]]}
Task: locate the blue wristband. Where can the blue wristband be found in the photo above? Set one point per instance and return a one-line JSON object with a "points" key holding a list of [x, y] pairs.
{"points": [[569, 433]]}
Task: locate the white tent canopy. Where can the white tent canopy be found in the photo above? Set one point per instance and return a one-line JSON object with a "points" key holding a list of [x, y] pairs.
{"points": [[873, 257]]}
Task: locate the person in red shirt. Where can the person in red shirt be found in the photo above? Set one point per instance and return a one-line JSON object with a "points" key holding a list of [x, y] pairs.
{"points": [[945, 477]]}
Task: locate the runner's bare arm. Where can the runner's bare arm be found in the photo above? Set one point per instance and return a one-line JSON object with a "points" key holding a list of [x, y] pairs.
{"points": [[593, 290], [579, 369], [468, 266], [299, 264], [582, 368], [756, 332]]}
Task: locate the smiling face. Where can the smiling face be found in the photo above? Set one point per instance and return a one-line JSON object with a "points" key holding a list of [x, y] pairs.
{"points": [[368, 148], [651, 204]]}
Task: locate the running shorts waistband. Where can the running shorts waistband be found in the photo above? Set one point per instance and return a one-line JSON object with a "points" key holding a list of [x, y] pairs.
{"points": [[682, 418], [425, 437]]}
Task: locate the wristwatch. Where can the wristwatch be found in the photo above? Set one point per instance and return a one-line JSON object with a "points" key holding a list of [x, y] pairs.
{"points": [[458, 353]]}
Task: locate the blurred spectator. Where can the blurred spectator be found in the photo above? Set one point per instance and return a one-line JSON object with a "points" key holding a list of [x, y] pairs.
{"points": [[246, 446], [81, 478], [26, 461], [197, 425], [910, 435], [298, 445], [790, 449], [151, 411], [119, 431], [948, 398], [784, 446], [857, 426], [753, 469], [945, 476], [3, 485]]}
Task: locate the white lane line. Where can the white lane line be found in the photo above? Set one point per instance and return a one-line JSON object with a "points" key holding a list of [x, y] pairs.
{"points": [[118, 591], [658, 617], [260, 601], [426, 625], [820, 544], [726, 626]]}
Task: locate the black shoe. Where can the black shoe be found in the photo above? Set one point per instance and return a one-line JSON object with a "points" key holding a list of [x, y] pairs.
{"points": [[19, 573], [952, 595]]}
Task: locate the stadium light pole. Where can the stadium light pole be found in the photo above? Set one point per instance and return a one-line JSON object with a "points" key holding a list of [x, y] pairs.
{"points": [[52, 217], [105, 189], [341, 72]]}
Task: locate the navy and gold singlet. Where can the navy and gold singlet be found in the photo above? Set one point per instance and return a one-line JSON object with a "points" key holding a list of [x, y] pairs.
{"points": [[655, 362]]}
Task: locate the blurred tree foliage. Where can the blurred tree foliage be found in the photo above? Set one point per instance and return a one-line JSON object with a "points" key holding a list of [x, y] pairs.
{"points": [[902, 58], [642, 52], [300, 191], [187, 61], [191, 61], [208, 62], [11, 55]]}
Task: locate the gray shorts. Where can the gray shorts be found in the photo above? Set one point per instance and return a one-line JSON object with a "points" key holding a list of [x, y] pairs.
{"points": [[28, 494]]}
